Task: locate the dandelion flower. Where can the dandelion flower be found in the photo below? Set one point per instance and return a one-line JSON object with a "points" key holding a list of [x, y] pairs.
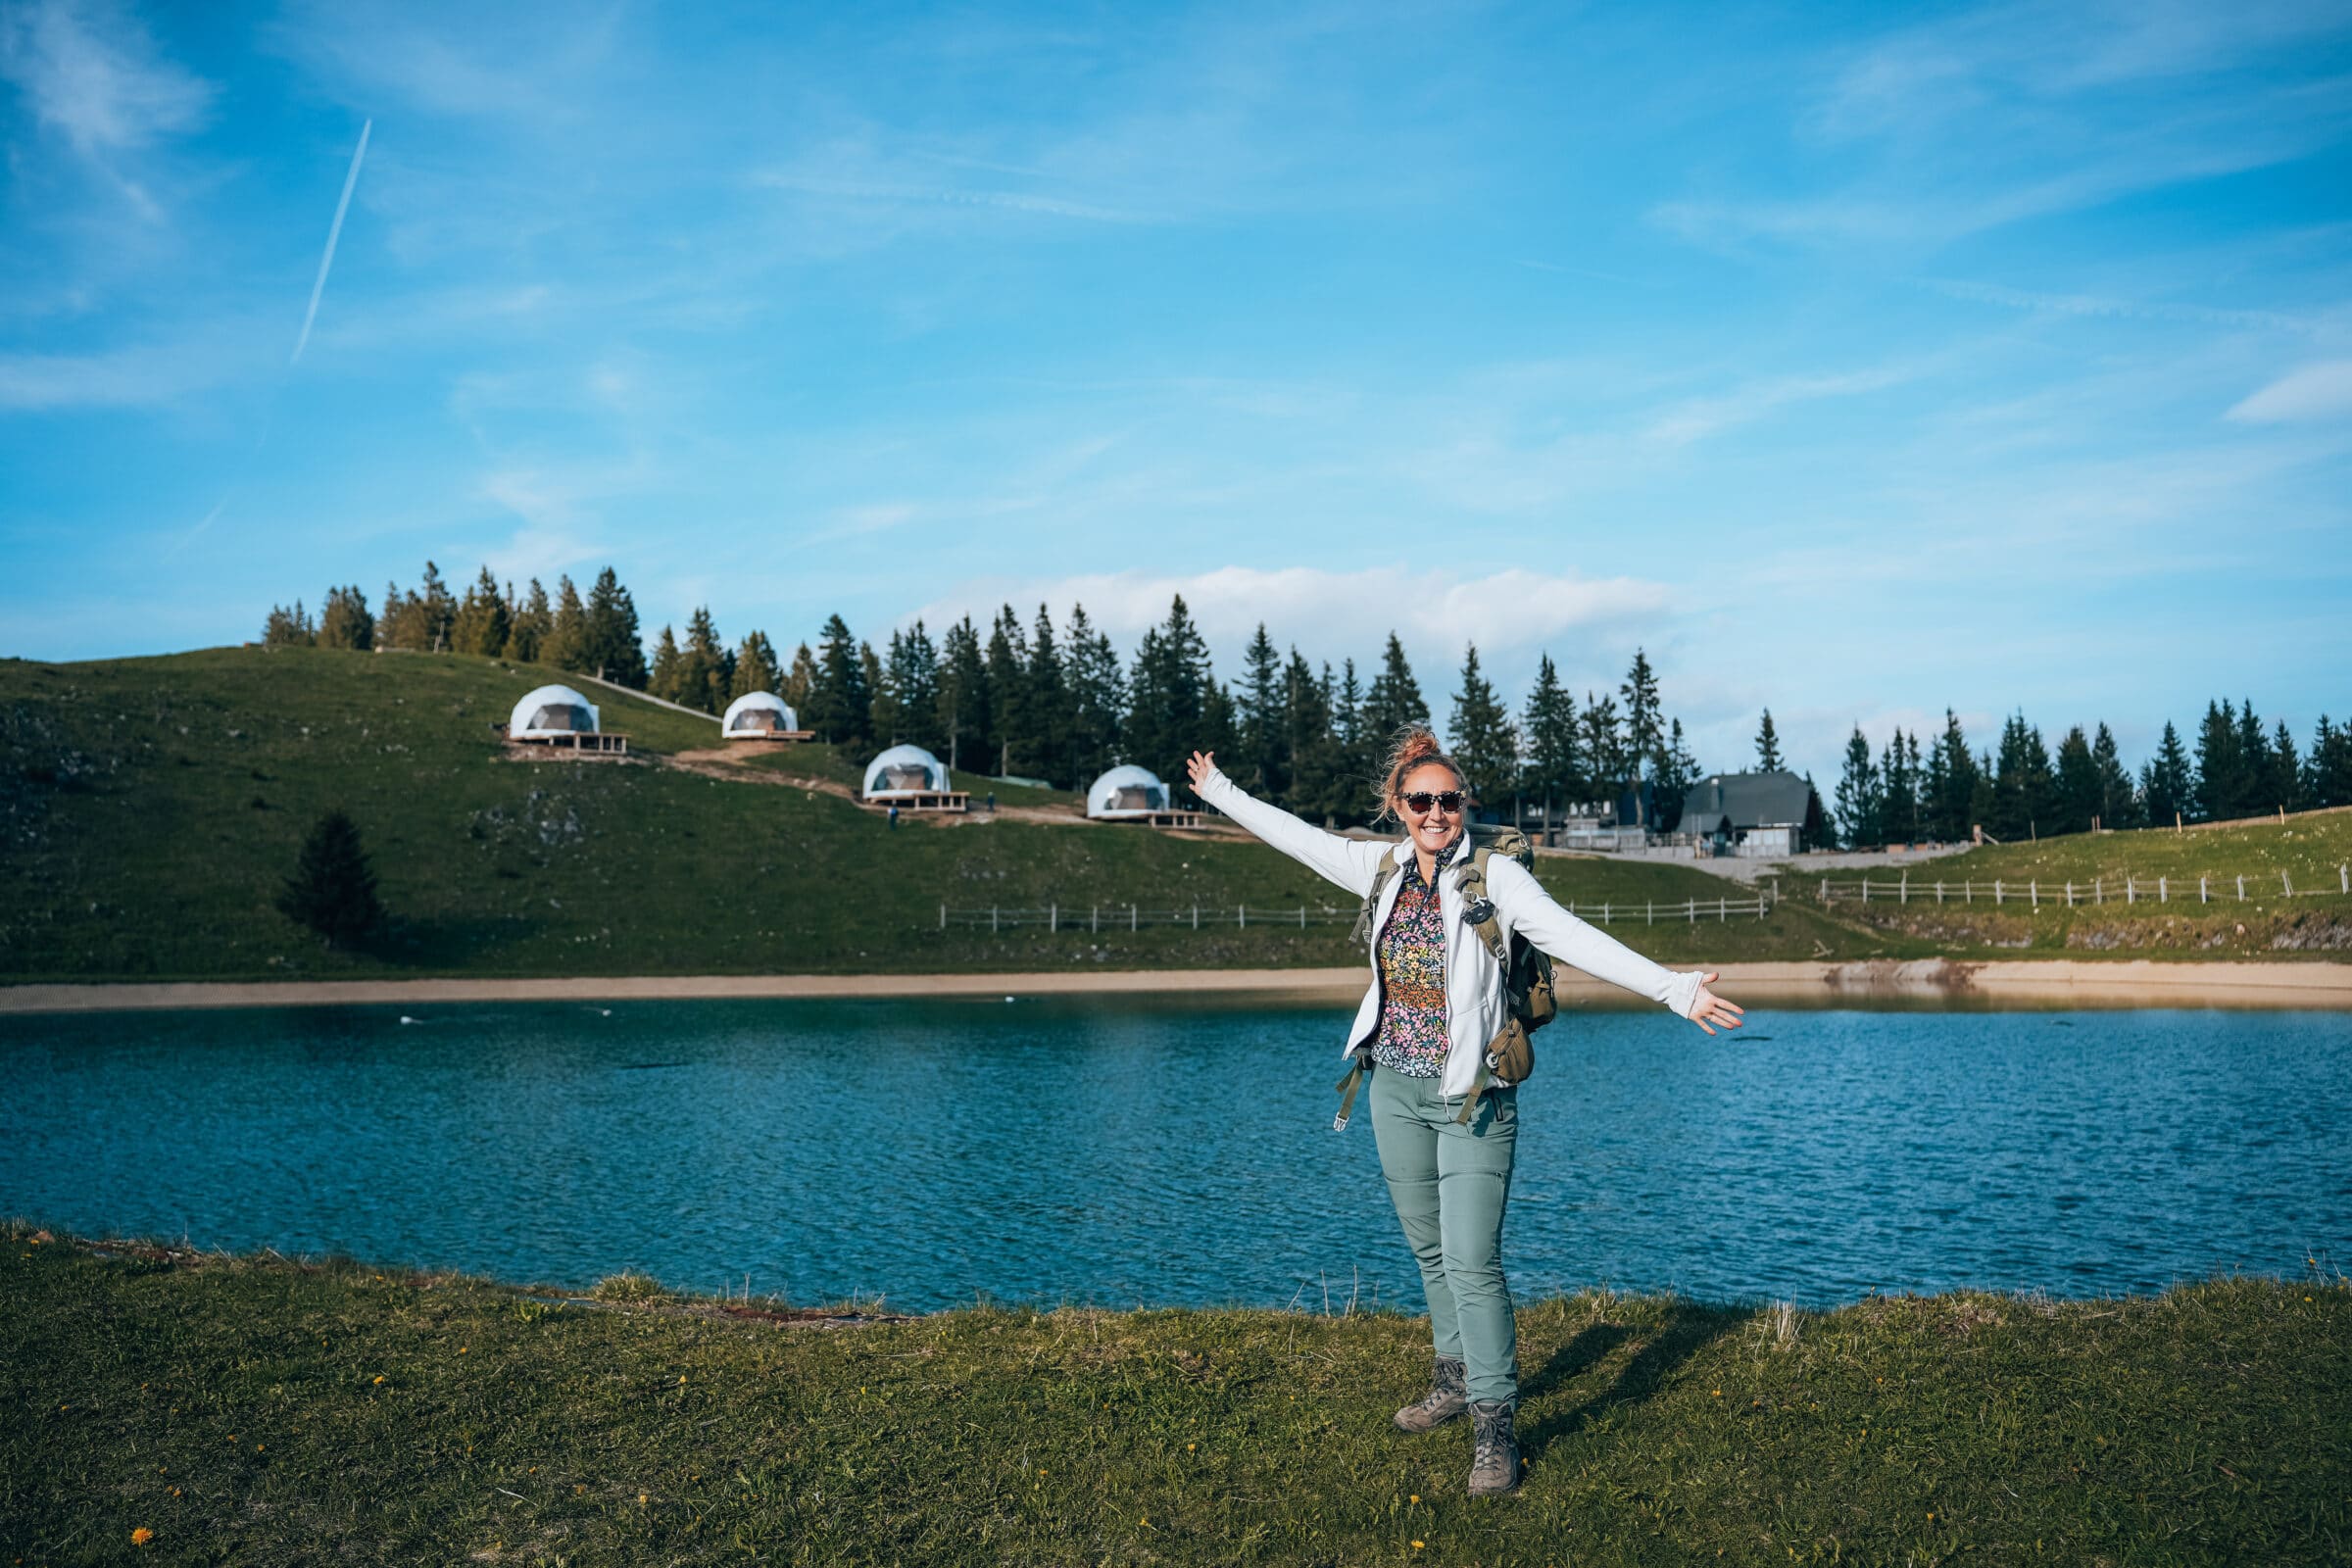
{"points": [[642, 1499], [1417, 1545], [379, 1377], [141, 1536], [1415, 1497]]}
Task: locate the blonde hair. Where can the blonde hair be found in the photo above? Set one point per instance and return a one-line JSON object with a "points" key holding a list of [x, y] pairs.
{"points": [[1409, 748]]}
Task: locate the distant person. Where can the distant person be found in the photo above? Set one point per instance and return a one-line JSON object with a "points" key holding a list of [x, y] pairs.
{"points": [[1436, 1004], [893, 818], [992, 800]]}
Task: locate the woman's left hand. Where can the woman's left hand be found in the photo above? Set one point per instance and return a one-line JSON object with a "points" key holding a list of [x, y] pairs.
{"points": [[1707, 1009]]}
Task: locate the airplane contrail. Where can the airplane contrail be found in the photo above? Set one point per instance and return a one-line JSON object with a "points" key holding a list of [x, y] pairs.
{"points": [[333, 233]]}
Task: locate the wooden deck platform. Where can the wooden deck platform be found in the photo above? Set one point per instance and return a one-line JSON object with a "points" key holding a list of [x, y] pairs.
{"points": [[607, 741], [771, 736], [923, 801]]}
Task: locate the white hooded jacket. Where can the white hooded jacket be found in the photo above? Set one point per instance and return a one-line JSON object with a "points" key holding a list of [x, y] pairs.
{"points": [[1475, 1005]]}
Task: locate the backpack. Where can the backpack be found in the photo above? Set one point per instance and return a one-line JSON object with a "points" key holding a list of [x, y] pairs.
{"points": [[1529, 1002]]}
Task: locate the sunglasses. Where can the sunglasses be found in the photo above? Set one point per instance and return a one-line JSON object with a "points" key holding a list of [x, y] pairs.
{"points": [[1447, 801]]}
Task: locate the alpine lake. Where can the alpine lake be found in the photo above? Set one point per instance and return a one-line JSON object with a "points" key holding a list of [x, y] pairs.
{"points": [[1153, 1153]]}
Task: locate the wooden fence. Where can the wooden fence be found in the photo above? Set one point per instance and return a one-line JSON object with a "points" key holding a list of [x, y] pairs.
{"points": [[1095, 918], [2130, 888]]}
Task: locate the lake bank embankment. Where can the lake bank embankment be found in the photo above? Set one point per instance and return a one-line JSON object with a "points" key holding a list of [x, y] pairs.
{"points": [[1867, 982], [261, 1408]]}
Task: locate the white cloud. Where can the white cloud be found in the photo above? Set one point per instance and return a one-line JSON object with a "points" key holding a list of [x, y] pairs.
{"points": [[2322, 391], [92, 73]]}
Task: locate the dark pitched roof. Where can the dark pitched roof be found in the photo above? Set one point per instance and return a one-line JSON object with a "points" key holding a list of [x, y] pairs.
{"points": [[1747, 800]]}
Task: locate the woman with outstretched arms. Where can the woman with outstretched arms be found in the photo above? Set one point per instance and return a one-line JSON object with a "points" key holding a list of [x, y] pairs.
{"points": [[1437, 1000]]}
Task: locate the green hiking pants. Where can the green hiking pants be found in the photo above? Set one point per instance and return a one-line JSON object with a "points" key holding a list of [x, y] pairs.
{"points": [[1450, 1182]]}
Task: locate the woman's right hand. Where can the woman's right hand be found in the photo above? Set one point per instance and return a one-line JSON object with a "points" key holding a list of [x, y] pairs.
{"points": [[1200, 767]]}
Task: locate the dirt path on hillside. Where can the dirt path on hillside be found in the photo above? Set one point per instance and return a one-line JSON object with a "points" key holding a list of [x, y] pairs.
{"points": [[2023, 984]]}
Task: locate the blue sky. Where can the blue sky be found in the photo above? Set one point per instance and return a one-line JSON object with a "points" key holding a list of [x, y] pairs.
{"points": [[1855, 361]]}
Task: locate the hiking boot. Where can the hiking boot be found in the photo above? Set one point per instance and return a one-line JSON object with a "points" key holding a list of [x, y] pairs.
{"points": [[1444, 1402], [1494, 1461]]}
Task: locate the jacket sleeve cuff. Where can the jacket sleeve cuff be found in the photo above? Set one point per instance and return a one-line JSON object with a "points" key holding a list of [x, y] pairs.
{"points": [[1682, 991]]}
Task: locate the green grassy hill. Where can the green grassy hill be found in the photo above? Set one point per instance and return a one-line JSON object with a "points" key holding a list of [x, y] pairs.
{"points": [[2136, 894], [261, 1410], [151, 808]]}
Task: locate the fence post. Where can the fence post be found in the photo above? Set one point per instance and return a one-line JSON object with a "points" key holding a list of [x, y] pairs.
{"points": [[1903, 890], [2343, 878], [943, 918], [2283, 883], [1241, 913], [2242, 890], [2202, 896], [991, 917], [1302, 917], [1649, 912], [1053, 916], [1968, 891], [1691, 904], [1094, 919], [2164, 890], [1723, 909], [2098, 890], [1866, 887], [1940, 890], [2070, 892], [2130, 890], [1196, 916], [1996, 891], [1134, 918], [2033, 892], [1604, 912]]}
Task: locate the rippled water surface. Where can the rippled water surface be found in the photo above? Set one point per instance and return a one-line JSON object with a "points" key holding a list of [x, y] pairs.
{"points": [[1131, 1154]]}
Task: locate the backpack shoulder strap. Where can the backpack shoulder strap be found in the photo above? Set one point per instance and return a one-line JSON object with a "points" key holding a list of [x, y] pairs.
{"points": [[1471, 881], [1362, 931]]}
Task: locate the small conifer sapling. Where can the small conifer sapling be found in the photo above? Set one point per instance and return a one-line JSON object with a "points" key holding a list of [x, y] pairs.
{"points": [[333, 890]]}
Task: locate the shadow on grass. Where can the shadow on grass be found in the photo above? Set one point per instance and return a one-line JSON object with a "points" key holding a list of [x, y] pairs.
{"points": [[405, 943], [1688, 1330]]}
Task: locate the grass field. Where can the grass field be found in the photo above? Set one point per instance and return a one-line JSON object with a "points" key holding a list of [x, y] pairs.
{"points": [[2165, 913], [151, 808], [257, 1410]]}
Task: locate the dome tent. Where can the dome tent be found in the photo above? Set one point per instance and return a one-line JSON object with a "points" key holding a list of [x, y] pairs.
{"points": [[1126, 791], [758, 716], [904, 771], [551, 712]]}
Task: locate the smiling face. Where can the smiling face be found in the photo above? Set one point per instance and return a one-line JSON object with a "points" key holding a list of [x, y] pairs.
{"points": [[1437, 827]]}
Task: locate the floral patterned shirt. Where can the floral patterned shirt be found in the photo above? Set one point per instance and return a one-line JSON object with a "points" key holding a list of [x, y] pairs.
{"points": [[1412, 1038]]}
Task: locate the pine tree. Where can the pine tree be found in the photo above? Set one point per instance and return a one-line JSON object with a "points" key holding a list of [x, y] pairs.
{"points": [[1548, 731], [1394, 699], [1259, 764], [964, 717], [1607, 764], [345, 622], [288, 628], [2287, 771], [1914, 822], [1352, 799], [1316, 788], [1898, 789], [613, 649], [1677, 773], [2022, 782], [2254, 794], [2117, 805], [906, 703], [870, 673], [1768, 746], [402, 624], [838, 707], [754, 666], [567, 645], [1482, 743], [2328, 773], [2221, 782], [799, 682], [481, 623], [1045, 683], [1858, 795], [2075, 800], [2167, 782], [1175, 706], [1097, 698], [1645, 728], [533, 623], [1008, 692], [333, 890], [663, 680], [705, 672], [440, 611], [1954, 811]]}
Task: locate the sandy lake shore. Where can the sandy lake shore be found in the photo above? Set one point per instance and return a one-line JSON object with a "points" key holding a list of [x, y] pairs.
{"points": [[1862, 983]]}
